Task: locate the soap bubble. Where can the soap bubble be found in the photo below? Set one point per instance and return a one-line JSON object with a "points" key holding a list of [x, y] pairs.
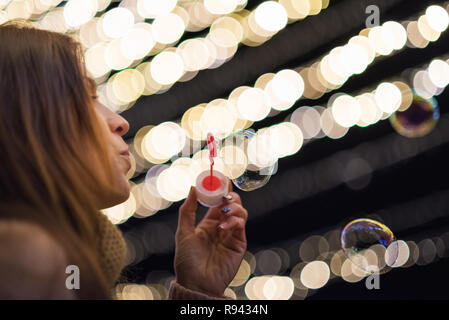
{"points": [[369, 245], [253, 176], [418, 119]]}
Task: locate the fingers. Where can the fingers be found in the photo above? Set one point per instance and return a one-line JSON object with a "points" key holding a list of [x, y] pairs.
{"points": [[230, 198], [187, 213], [235, 209], [215, 213], [233, 223], [234, 228]]}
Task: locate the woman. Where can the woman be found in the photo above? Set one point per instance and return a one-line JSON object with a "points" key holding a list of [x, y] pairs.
{"points": [[63, 159]]}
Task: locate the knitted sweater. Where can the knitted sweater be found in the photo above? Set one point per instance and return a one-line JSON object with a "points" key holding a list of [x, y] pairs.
{"points": [[113, 249], [113, 253]]}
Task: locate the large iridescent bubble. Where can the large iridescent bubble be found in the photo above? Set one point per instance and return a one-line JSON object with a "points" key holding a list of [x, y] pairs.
{"points": [[253, 177], [418, 119], [369, 245]]}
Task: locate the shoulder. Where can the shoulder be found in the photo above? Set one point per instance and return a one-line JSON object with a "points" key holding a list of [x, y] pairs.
{"points": [[32, 263]]}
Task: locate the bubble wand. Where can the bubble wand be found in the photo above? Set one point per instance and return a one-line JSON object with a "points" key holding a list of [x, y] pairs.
{"points": [[212, 153], [210, 187]]}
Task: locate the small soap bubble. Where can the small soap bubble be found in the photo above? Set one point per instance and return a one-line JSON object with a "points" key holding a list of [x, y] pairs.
{"points": [[418, 119], [253, 177], [365, 243]]}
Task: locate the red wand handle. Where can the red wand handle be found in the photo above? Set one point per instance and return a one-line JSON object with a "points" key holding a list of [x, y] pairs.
{"points": [[212, 151]]}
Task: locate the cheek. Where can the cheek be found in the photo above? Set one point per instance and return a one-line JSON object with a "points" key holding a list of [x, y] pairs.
{"points": [[122, 187], [122, 168]]}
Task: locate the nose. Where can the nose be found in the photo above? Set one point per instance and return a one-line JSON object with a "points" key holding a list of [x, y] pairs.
{"points": [[118, 124]]}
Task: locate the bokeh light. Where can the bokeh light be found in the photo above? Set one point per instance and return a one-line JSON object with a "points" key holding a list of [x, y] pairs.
{"points": [[254, 177], [361, 241], [418, 119]]}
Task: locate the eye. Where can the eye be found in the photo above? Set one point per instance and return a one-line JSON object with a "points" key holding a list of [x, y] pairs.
{"points": [[95, 97]]}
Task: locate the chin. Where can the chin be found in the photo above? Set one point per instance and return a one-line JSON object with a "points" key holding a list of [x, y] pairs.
{"points": [[118, 196], [123, 193]]}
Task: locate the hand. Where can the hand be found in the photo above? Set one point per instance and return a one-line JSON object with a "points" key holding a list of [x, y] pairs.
{"points": [[208, 256]]}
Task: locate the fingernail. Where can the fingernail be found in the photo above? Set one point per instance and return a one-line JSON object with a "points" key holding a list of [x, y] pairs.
{"points": [[223, 225], [228, 197], [225, 209]]}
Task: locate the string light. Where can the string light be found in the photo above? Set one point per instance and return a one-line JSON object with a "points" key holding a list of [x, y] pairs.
{"points": [[284, 88], [115, 46], [364, 109], [217, 47]]}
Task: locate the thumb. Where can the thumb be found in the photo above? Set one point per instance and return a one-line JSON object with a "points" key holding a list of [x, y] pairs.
{"points": [[187, 213]]}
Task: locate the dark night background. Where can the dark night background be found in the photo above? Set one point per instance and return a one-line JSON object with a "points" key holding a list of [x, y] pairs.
{"points": [[410, 195]]}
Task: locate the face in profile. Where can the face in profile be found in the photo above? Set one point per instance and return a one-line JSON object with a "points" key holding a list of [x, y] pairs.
{"points": [[116, 126]]}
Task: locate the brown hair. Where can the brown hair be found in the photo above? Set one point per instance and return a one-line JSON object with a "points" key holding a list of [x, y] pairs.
{"points": [[52, 143]]}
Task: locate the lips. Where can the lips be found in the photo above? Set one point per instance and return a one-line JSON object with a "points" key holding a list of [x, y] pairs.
{"points": [[127, 156]]}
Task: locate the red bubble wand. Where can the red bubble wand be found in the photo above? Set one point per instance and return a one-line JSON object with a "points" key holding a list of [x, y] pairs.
{"points": [[214, 182]]}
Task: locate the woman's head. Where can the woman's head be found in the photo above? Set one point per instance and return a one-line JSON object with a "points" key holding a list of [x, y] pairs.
{"points": [[54, 132], [60, 147]]}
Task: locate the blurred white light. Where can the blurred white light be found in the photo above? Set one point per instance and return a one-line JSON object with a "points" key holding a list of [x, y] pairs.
{"points": [[370, 113], [278, 288], [271, 16], [366, 45], [397, 253], [168, 28], [137, 43], [308, 120], [174, 183], [437, 18], [114, 56], [128, 85], [260, 150], [253, 104], [346, 110], [426, 31], [235, 160], [3, 17], [315, 274], [153, 8], [354, 58], [286, 87], [95, 60], [388, 97], [102, 4], [330, 127], [194, 53], [382, 40], [286, 139], [167, 67], [217, 118], [398, 33], [330, 71], [168, 139], [439, 73], [117, 22], [78, 12], [220, 7], [423, 85], [335, 62]]}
